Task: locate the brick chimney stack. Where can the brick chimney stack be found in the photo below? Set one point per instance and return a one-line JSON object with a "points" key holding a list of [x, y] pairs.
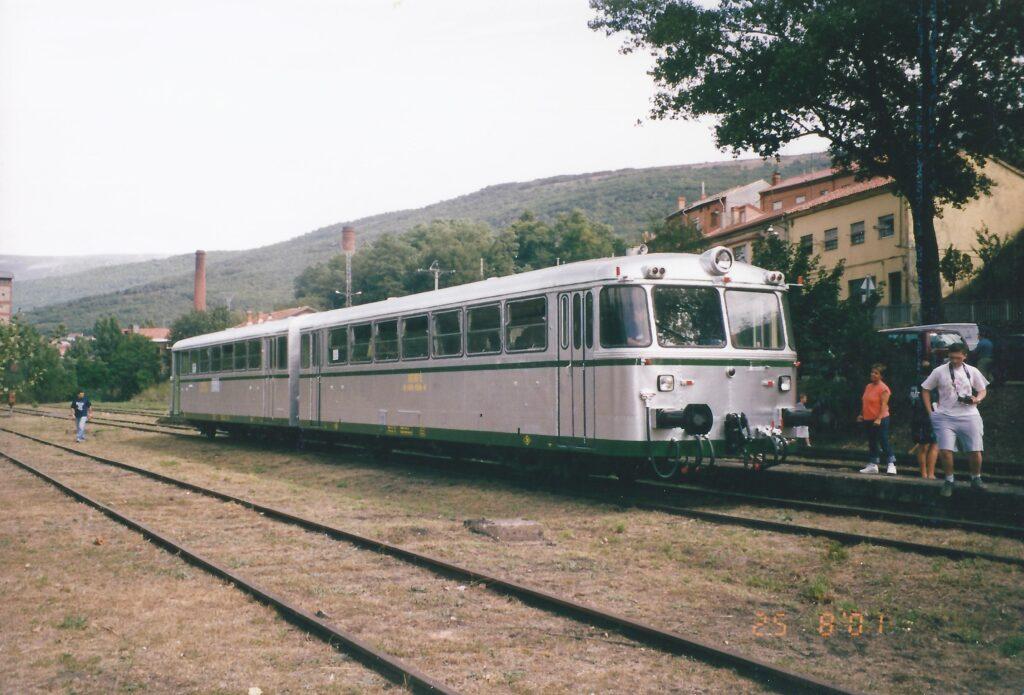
{"points": [[776, 177], [199, 293], [681, 202]]}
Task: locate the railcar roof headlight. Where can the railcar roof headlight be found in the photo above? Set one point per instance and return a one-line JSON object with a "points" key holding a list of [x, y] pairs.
{"points": [[666, 382], [717, 260], [785, 383]]}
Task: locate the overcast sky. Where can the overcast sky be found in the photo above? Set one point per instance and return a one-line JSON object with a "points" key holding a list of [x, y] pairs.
{"points": [[129, 126]]}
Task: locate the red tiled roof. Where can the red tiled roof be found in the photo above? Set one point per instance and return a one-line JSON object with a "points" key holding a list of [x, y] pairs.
{"points": [[838, 194], [805, 178], [843, 192], [264, 316], [155, 333]]}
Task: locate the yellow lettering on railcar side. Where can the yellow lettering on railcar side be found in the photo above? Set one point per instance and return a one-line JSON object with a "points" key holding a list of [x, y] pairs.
{"points": [[414, 383]]}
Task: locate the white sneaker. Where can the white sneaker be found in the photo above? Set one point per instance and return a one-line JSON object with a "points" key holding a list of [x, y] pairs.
{"points": [[870, 468], [891, 470]]}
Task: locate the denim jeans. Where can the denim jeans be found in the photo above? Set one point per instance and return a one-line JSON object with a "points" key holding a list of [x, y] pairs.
{"points": [[80, 434], [878, 441]]}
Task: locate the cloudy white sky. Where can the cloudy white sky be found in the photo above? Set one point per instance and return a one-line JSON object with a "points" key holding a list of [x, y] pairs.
{"points": [[135, 126]]}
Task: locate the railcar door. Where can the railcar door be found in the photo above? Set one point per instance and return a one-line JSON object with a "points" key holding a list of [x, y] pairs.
{"points": [[310, 377], [575, 381]]}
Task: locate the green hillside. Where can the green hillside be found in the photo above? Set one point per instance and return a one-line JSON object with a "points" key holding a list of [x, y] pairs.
{"points": [[262, 278], [26, 268]]}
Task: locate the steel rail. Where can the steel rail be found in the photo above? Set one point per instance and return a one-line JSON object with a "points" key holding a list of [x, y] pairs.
{"points": [[107, 423], [383, 663], [779, 678], [1006, 530], [854, 464], [844, 537], [848, 510]]}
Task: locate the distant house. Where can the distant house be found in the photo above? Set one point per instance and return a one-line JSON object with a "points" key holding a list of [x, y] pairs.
{"points": [[733, 206], [865, 223], [6, 296], [252, 318], [161, 336]]}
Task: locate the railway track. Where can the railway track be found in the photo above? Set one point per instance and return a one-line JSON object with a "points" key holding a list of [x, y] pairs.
{"points": [[829, 462], [125, 424], [781, 679], [658, 492], [390, 667]]}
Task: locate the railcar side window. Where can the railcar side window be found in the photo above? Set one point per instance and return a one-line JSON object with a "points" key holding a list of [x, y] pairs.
{"points": [[577, 322], [204, 360], [282, 352], [215, 358], [385, 347], [337, 346], [563, 322], [483, 330], [624, 319], [255, 354], [414, 338], [755, 320], [360, 341], [193, 361], [688, 317], [526, 326], [315, 338], [448, 333], [304, 351], [588, 325], [241, 356]]}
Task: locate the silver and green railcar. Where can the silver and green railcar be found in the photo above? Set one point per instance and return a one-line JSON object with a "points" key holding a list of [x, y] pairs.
{"points": [[625, 360]]}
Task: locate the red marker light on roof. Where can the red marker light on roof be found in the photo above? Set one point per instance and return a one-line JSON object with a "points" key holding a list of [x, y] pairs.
{"points": [[726, 279], [618, 271]]}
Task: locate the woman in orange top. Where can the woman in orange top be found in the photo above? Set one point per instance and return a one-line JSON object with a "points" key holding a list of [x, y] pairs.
{"points": [[874, 413]]}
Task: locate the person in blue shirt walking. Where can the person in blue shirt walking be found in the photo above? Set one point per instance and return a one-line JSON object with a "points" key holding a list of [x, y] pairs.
{"points": [[81, 407]]}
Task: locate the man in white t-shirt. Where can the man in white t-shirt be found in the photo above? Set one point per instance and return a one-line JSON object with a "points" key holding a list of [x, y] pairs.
{"points": [[961, 388]]}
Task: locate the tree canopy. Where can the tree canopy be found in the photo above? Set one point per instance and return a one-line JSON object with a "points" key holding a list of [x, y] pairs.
{"points": [[922, 92], [392, 265], [200, 322]]}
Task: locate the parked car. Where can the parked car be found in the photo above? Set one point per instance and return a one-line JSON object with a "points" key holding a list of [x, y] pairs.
{"points": [[929, 345]]}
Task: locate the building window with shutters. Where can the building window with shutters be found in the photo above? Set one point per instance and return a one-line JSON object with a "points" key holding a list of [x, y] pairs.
{"points": [[807, 243], [895, 288], [832, 239], [856, 233], [886, 228], [777, 205], [801, 199]]}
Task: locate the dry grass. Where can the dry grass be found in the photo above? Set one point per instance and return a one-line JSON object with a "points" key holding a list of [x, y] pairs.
{"points": [[90, 607], [949, 626], [471, 638]]}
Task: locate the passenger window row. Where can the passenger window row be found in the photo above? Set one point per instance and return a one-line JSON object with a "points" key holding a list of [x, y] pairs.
{"points": [[476, 330], [239, 356]]}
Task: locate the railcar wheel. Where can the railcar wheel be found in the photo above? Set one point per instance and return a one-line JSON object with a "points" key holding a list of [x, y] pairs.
{"points": [[665, 469]]}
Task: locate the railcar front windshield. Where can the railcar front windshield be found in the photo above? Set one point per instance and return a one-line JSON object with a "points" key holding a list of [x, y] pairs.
{"points": [[688, 316], [755, 320]]}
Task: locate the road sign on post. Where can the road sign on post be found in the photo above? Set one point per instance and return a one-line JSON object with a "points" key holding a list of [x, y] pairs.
{"points": [[866, 288]]}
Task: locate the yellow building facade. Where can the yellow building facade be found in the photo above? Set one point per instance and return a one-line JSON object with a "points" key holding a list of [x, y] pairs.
{"points": [[870, 228]]}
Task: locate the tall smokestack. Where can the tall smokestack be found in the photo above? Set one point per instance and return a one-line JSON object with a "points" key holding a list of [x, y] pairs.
{"points": [[199, 293]]}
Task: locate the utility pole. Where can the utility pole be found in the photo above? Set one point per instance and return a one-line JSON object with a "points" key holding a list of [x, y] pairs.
{"points": [[435, 268], [348, 247]]}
